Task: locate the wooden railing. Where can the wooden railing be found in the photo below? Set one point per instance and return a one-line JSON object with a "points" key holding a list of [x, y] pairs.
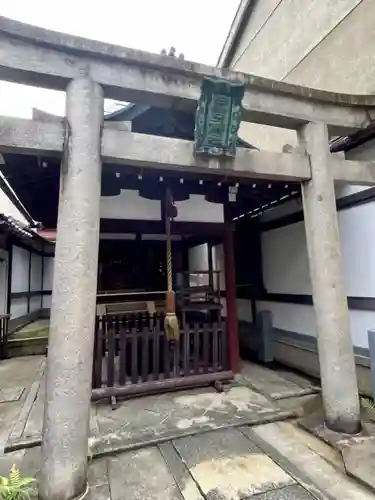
{"points": [[132, 350]]}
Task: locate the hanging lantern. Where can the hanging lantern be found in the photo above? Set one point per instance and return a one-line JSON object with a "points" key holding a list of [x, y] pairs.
{"points": [[218, 117]]}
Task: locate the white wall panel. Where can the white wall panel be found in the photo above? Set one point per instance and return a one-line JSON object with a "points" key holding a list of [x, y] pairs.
{"points": [[3, 282], [129, 205], [35, 303], [20, 269], [286, 270], [36, 272], [18, 307], [197, 209], [47, 300], [48, 263]]}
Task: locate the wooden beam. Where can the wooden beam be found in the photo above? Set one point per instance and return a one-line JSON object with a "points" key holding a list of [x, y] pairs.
{"points": [[205, 229], [44, 58], [146, 151]]}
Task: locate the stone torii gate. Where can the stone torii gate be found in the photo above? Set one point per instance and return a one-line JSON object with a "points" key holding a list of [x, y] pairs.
{"points": [[88, 70]]}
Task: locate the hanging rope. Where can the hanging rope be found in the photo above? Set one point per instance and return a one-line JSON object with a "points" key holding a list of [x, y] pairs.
{"points": [[171, 326], [169, 251]]}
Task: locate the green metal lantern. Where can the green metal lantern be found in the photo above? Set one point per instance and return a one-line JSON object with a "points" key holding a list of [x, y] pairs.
{"points": [[218, 117]]}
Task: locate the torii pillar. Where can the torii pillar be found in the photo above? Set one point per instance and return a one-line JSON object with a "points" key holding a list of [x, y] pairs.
{"points": [[71, 341], [336, 356]]}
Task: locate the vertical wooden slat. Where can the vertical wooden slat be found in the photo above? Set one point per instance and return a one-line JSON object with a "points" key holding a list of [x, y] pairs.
{"points": [[166, 356], [224, 346], [123, 336], [134, 356], [214, 347], [145, 356], [156, 350], [186, 350], [176, 359], [206, 346], [196, 347], [111, 352], [117, 335]]}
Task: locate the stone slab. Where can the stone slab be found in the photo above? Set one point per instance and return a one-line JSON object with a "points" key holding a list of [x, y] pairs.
{"points": [[11, 394], [311, 470], [227, 467], [118, 442], [181, 410], [316, 425], [141, 475], [180, 472], [270, 383], [359, 461], [289, 493], [34, 422], [98, 472], [101, 492]]}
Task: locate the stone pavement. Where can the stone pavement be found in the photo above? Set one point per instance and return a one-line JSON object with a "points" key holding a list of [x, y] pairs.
{"points": [[266, 462], [188, 445]]}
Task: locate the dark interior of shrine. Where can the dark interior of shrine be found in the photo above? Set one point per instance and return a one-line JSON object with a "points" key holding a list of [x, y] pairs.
{"points": [[127, 263]]}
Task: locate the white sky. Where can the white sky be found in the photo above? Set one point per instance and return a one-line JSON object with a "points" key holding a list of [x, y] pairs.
{"points": [[197, 28]]}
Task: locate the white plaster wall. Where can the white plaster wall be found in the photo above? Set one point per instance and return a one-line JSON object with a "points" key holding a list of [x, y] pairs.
{"points": [[261, 12], [322, 44], [20, 270], [47, 301], [36, 272], [18, 307], [35, 303], [197, 209], [48, 263], [3, 282], [296, 31], [286, 270], [129, 205]]}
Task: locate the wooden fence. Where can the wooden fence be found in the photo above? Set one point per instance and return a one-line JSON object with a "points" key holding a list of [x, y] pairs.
{"points": [[132, 355]]}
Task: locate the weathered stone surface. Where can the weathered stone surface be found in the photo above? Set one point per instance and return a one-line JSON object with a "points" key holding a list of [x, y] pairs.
{"points": [[98, 472], [336, 357], [226, 466], [182, 411], [101, 492], [31, 462], [149, 151], [289, 493], [52, 59], [11, 394], [320, 476], [269, 382], [180, 472], [141, 475], [70, 348], [359, 461]]}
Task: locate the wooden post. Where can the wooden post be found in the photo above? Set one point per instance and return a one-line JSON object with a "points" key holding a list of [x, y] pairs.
{"points": [[230, 294], [210, 266]]}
